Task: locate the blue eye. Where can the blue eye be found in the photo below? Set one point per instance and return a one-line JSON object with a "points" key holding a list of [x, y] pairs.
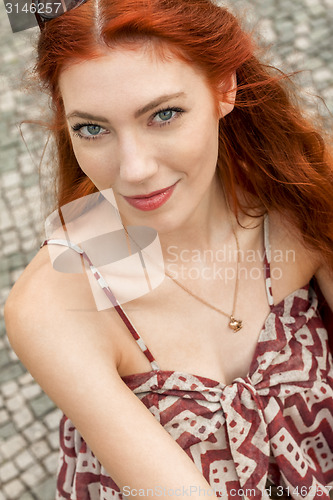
{"points": [[88, 130], [93, 129], [166, 116]]}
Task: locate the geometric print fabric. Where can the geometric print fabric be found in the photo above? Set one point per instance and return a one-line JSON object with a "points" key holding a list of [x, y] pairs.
{"points": [[274, 424]]}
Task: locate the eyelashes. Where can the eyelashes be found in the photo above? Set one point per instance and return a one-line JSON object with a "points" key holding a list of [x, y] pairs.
{"points": [[78, 127], [165, 113], [165, 116]]}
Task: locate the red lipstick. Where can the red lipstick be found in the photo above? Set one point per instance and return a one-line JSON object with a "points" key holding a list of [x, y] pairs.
{"points": [[151, 201]]}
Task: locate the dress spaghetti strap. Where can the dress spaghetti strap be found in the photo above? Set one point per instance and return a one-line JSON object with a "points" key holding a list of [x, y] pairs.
{"points": [[107, 290], [267, 262], [128, 323]]}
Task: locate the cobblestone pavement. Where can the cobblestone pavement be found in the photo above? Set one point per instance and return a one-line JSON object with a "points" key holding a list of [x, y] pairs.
{"points": [[301, 35]]}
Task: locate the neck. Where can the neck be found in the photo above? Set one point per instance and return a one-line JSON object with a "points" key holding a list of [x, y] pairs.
{"points": [[206, 229]]}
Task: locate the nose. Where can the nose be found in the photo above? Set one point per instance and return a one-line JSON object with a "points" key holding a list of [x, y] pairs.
{"points": [[137, 161]]}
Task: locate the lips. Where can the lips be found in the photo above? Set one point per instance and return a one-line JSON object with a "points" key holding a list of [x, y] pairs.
{"points": [[151, 201]]}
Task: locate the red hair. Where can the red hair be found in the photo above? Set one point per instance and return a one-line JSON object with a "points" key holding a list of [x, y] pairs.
{"points": [[267, 148]]}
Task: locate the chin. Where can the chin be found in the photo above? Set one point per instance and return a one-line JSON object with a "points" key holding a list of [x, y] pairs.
{"points": [[162, 223]]}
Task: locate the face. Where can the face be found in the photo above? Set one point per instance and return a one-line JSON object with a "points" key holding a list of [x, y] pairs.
{"points": [[148, 128]]}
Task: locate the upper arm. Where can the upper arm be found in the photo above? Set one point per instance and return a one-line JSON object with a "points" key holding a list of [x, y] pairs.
{"points": [[76, 365], [324, 279]]}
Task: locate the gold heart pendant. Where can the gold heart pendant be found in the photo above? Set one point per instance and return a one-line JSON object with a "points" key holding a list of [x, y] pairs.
{"points": [[235, 324]]}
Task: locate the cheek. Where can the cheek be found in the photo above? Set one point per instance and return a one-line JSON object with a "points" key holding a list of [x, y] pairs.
{"points": [[95, 163], [199, 147]]}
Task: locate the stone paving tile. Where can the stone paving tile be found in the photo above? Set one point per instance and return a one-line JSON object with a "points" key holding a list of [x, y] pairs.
{"points": [[24, 460], [13, 489], [44, 491], [297, 35]]}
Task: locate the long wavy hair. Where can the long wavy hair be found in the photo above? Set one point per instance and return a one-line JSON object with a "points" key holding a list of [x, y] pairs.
{"points": [[267, 148]]}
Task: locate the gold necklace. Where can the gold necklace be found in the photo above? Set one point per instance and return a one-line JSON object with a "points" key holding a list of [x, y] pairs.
{"points": [[234, 324]]}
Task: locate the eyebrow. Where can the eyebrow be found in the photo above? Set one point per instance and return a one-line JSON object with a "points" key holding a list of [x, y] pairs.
{"points": [[156, 102], [151, 105]]}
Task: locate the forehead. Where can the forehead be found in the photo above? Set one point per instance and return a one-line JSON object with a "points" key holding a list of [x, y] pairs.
{"points": [[129, 77]]}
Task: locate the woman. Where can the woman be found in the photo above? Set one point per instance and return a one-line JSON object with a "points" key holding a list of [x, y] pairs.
{"points": [[165, 103]]}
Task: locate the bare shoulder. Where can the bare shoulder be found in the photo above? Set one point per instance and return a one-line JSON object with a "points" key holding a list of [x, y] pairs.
{"points": [[68, 351], [286, 236], [40, 279], [45, 305], [293, 263], [324, 278], [286, 242]]}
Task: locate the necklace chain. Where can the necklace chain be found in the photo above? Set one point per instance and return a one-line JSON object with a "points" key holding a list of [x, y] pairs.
{"points": [[234, 324]]}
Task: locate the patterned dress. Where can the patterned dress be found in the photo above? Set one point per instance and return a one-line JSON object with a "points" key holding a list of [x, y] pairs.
{"points": [[272, 427]]}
